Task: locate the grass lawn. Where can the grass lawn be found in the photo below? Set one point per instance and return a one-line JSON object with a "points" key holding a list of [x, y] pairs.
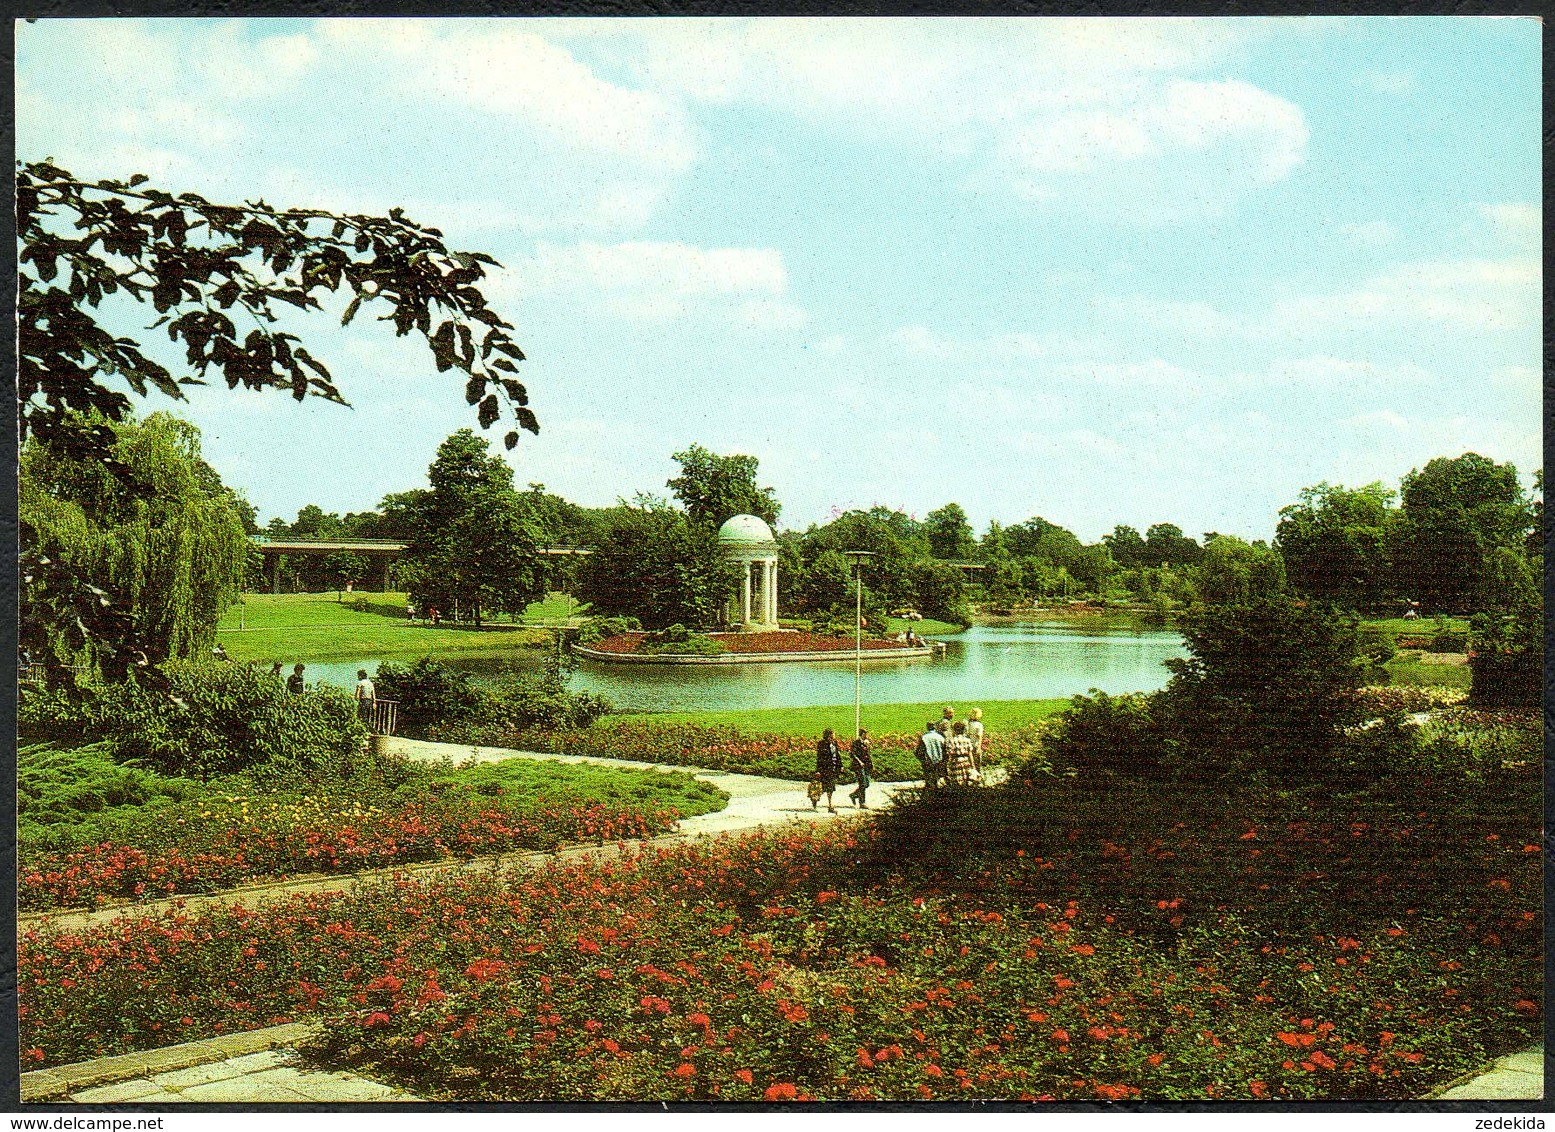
{"points": [[1422, 626], [321, 627], [998, 715], [1406, 671]]}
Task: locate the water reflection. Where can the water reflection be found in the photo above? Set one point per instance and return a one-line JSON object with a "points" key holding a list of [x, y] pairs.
{"points": [[1038, 660]]}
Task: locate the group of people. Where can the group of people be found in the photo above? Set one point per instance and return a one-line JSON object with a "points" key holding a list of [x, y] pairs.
{"points": [[828, 769], [950, 750], [433, 615], [364, 694]]}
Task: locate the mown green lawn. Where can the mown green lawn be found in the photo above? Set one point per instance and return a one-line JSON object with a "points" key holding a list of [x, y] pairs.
{"points": [[1406, 671], [998, 715], [322, 627], [1422, 626]]}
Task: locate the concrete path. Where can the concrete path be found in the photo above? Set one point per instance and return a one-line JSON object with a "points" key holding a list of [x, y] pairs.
{"points": [[754, 801], [1519, 1077]]}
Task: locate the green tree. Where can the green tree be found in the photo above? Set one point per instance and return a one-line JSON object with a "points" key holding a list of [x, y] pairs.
{"points": [[472, 546], [1127, 547], [826, 583], [194, 261], [1233, 572], [1166, 545], [712, 488], [174, 550], [1455, 513], [655, 564], [1334, 543], [949, 533]]}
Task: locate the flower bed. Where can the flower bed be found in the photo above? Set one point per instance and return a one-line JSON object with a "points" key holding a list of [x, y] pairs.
{"points": [[823, 966], [628, 644], [218, 844]]}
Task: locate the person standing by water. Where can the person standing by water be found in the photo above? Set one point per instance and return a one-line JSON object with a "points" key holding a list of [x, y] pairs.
{"points": [[828, 766], [863, 768], [958, 756], [294, 681], [974, 732], [275, 671], [931, 754], [366, 695], [946, 718]]}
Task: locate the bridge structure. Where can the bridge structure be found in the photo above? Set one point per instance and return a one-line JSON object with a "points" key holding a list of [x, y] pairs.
{"points": [[389, 551]]}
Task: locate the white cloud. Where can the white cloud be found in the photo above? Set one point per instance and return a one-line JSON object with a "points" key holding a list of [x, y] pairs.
{"points": [[923, 342], [1184, 117], [1195, 319], [1514, 220], [1476, 294], [505, 69], [647, 281]]}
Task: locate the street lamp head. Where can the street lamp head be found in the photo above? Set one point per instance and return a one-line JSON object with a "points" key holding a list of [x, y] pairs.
{"points": [[857, 558]]}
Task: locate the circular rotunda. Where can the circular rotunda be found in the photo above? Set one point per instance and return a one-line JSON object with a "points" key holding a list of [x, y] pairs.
{"points": [[747, 540]]}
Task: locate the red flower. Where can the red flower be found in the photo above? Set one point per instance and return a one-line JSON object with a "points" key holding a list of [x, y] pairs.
{"points": [[685, 1069], [782, 1091]]}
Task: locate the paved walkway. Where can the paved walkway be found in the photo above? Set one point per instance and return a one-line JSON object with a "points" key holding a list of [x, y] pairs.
{"points": [[1519, 1077]]}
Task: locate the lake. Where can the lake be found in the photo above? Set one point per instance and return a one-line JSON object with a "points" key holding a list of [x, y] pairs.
{"points": [[1032, 661]]}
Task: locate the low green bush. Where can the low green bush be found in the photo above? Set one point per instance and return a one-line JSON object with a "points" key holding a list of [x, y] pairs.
{"points": [[1116, 734], [209, 719], [600, 628], [77, 786], [439, 703]]}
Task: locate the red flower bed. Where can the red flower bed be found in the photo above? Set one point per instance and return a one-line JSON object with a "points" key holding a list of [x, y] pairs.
{"points": [[775, 642], [275, 842], [832, 966]]}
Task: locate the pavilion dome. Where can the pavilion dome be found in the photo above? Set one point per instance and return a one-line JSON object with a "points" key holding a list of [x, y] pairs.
{"points": [[745, 530]]}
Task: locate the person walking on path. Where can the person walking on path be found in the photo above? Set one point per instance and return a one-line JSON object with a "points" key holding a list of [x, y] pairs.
{"points": [[863, 769], [958, 756], [294, 681], [828, 766], [974, 732], [931, 754], [366, 695]]}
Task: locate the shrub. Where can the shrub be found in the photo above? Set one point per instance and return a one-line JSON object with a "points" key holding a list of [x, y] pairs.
{"points": [[223, 718], [210, 719], [1506, 657], [680, 641], [1116, 734], [600, 628], [73, 786], [447, 706], [1269, 683]]}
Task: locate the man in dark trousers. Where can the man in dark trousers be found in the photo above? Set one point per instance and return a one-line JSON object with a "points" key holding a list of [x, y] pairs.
{"points": [[863, 768]]}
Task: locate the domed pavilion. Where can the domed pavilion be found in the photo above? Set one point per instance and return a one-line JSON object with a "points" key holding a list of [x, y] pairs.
{"points": [[748, 540]]}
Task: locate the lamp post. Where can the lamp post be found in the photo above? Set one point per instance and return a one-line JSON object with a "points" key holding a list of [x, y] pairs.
{"points": [[856, 559]]}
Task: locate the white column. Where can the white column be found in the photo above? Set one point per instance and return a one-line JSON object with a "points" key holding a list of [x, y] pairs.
{"points": [[745, 596], [772, 612]]}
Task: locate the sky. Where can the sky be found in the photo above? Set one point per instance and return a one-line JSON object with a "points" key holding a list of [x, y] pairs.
{"points": [[1098, 270]]}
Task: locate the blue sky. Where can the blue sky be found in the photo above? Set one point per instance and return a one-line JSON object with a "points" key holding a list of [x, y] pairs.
{"points": [[1099, 270]]}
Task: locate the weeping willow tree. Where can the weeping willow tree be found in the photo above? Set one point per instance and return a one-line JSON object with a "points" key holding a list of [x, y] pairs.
{"points": [[140, 554]]}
